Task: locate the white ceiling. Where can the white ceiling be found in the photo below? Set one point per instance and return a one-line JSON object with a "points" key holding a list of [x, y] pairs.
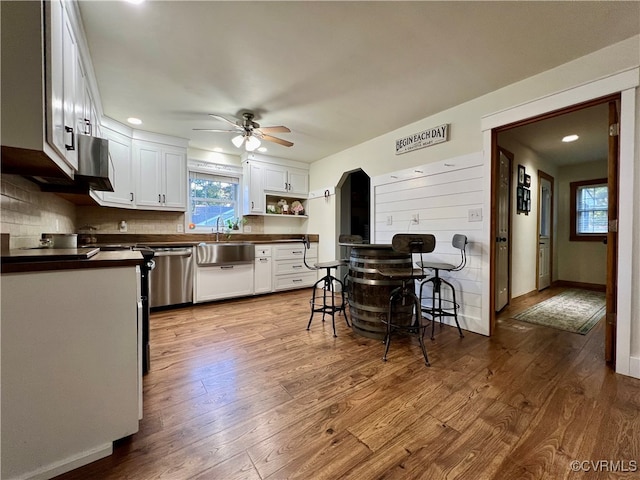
{"points": [[335, 73], [545, 137]]}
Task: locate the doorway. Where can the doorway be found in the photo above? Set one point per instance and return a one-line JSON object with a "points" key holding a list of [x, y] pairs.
{"points": [[355, 208], [545, 225]]}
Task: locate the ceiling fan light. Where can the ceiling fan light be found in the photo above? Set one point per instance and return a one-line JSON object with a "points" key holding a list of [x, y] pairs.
{"points": [[252, 144], [237, 141]]}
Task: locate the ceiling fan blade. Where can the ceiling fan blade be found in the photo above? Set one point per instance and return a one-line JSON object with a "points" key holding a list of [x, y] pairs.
{"points": [[278, 129], [216, 130], [220, 117], [269, 138]]}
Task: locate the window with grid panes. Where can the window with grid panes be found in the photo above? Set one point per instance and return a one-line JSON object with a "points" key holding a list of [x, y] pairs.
{"points": [[589, 210], [212, 197]]}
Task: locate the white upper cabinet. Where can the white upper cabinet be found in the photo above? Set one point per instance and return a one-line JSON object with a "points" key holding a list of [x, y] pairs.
{"points": [[290, 180], [253, 178], [161, 176], [298, 181], [65, 85], [123, 194], [44, 86], [266, 177]]}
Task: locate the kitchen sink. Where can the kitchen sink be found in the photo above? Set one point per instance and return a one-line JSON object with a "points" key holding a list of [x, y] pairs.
{"points": [[224, 253]]}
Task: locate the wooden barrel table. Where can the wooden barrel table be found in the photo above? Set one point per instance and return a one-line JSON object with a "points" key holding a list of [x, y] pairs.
{"points": [[369, 291]]}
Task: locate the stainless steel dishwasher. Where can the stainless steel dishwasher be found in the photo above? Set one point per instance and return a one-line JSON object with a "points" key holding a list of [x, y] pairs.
{"points": [[171, 281]]}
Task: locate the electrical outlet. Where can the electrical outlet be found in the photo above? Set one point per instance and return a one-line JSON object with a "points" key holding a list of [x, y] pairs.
{"points": [[389, 220], [415, 219], [123, 226], [247, 229], [180, 228], [475, 214]]}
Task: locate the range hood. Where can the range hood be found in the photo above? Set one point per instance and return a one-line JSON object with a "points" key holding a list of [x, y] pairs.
{"points": [[94, 169], [94, 163]]}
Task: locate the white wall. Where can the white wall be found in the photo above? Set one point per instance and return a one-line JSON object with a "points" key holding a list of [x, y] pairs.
{"points": [[376, 157], [441, 195], [584, 262]]}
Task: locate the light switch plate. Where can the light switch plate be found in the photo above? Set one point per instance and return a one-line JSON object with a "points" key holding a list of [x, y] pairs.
{"points": [[475, 214]]}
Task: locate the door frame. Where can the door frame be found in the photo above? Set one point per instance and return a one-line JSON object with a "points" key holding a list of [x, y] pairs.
{"points": [[551, 180], [625, 84]]}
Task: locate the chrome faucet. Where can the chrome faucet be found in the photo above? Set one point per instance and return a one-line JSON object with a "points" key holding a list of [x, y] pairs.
{"points": [[218, 229]]}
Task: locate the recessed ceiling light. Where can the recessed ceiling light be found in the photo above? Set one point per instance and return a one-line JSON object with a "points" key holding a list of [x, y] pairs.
{"points": [[134, 121], [135, 2], [262, 149], [217, 149], [570, 138]]}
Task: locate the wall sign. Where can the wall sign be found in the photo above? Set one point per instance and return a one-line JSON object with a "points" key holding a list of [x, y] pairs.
{"points": [[423, 139]]}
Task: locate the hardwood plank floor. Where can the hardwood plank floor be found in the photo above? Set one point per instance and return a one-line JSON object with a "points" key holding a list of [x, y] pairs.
{"points": [[240, 390]]}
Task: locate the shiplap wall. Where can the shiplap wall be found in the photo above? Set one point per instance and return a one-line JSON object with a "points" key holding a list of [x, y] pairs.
{"points": [[441, 195]]}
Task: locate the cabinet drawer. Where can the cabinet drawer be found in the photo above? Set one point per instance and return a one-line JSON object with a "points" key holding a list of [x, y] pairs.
{"points": [[263, 251], [303, 279], [294, 250], [285, 267]]}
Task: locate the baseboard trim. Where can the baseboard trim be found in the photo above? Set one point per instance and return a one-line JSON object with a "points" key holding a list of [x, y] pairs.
{"points": [[585, 286], [70, 463]]}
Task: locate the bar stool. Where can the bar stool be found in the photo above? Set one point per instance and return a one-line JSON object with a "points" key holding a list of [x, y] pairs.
{"points": [[410, 244], [450, 308], [328, 290]]}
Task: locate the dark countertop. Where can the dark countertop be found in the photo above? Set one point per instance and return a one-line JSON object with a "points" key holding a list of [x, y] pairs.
{"points": [[37, 260], [191, 239]]}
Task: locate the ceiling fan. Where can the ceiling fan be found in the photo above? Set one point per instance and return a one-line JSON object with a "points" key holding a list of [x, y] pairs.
{"points": [[249, 132]]}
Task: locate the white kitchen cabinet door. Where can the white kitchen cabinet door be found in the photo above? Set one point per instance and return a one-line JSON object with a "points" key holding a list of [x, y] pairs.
{"points": [[174, 182], [123, 173], [254, 188], [275, 178], [161, 176], [55, 86], [70, 61], [149, 175], [262, 275], [298, 182], [61, 86]]}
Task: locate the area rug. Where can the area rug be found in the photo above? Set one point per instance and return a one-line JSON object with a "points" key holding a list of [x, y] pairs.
{"points": [[573, 310]]}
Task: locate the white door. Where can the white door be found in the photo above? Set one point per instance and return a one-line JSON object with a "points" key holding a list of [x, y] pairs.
{"points": [[502, 233], [545, 196]]}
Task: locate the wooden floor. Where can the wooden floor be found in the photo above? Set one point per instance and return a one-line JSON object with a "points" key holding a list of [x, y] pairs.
{"points": [[240, 390]]}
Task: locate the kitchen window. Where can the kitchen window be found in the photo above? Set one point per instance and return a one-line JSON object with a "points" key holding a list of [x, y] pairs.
{"points": [[589, 210], [212, 197]]}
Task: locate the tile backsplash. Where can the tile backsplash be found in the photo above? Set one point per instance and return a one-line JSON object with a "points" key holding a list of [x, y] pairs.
{"points": [[26, 212], [108, 220]]}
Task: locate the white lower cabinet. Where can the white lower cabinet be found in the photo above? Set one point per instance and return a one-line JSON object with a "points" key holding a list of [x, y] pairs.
{"points": [[220, 282], [289, 270], [262, 272], [70, 367]]}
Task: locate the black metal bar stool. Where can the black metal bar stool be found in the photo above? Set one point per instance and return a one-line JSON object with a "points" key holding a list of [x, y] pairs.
{"points": [[444, 307], [328, 290], [410, 244]]}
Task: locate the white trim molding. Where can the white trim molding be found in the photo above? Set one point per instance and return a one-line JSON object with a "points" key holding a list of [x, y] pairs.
{"points": [[624, 82]]}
